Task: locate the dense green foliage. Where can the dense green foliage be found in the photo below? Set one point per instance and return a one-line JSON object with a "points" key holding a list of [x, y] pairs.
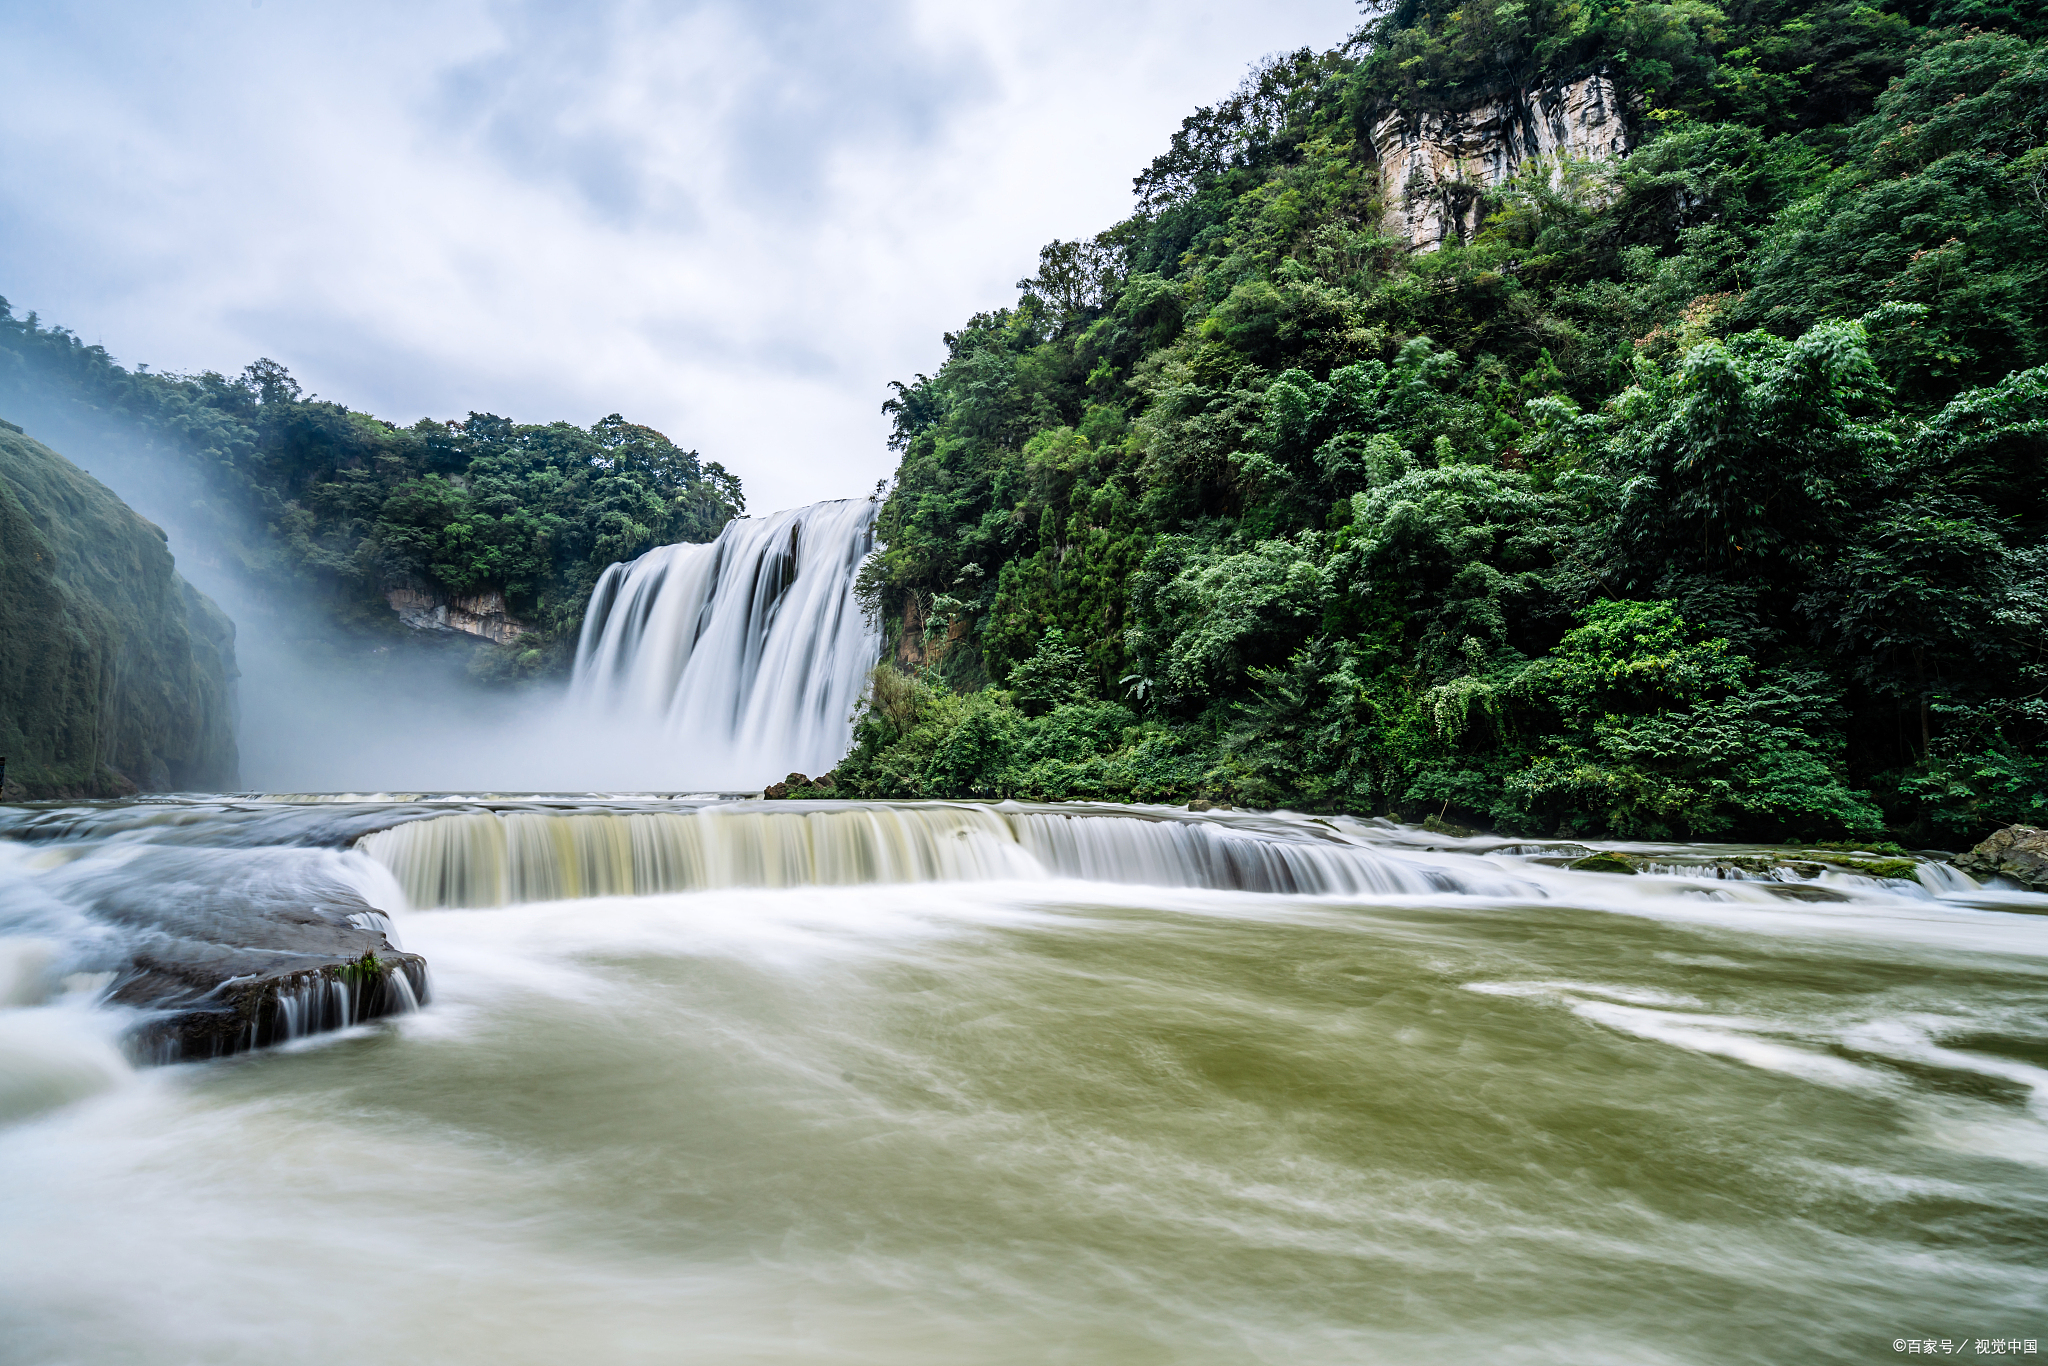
{"points": [[1701, 494], [303, 496], [114, 672]]}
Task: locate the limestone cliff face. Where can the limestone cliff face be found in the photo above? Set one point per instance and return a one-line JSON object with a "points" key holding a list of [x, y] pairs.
{"points": [[482, 615], [1437, 168], [116, 675]]}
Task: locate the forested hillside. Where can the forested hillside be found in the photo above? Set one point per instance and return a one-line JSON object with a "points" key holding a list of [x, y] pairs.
{"points": [[321, 510], [1698, 493], [116, 675]]}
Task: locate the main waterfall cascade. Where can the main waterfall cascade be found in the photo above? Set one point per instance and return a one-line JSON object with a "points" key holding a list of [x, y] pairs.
{"points": [[752, 649]]}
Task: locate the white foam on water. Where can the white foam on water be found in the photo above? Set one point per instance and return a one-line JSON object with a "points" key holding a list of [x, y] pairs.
{"points": [[1002, 1121]]}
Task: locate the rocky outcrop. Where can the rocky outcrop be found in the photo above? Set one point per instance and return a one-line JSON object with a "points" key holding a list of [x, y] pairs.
{"points": [[224, 926], [2018, 853], [232, 950], [797, 786], [482, 615], [1438, 167], [918, 644], [281, 1005], [116, 675]]}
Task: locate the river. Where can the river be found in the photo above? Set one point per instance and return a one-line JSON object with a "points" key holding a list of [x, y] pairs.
{"points": [[1469, 1106]]}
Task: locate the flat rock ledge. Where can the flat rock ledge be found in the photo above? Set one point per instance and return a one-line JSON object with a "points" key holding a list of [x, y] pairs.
{"points": [[2018, 853], [250, 963]]}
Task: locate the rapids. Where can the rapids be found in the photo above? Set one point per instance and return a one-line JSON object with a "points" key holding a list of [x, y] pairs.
{"points": [[748, 1082]]}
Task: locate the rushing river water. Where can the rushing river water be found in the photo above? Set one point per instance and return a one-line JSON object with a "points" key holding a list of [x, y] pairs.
{"points": [[1445, 1106]]}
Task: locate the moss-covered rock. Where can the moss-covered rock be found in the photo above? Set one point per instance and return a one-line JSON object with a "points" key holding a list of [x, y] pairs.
{"points": [[796, 786], [116, 675], [1898, 869], [1603, 863]]}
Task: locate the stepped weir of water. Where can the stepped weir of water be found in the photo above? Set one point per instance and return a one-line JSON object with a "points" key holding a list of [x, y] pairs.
{"points": [[495, 858], [752, 648]]}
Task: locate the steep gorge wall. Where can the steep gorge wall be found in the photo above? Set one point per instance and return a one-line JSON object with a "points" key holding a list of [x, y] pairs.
{"points": [[1438, 167], [116, 675]]}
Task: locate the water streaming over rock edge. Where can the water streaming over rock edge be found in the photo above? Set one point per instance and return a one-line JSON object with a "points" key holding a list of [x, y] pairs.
{"points": [[752, 647], [494, 858]]}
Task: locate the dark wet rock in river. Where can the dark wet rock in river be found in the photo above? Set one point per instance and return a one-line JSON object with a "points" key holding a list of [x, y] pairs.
{"points": [[211, 1009], [2018, 852], [228, 949]]}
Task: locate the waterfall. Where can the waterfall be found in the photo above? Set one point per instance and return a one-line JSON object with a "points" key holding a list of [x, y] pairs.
{"points": [[750, 650], [1176, 853], [492, 858]]}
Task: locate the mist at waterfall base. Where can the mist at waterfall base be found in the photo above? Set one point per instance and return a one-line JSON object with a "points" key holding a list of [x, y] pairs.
{"points": [[717, 667], [826, 1082]]}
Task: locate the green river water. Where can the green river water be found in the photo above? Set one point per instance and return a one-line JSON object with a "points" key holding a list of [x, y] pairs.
{"points": [[1627, 1120]]}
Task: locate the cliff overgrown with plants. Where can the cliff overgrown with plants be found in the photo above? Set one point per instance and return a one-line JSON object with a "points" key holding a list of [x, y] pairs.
{"points": [[116, 675], [1699, 494], [320, 510]]}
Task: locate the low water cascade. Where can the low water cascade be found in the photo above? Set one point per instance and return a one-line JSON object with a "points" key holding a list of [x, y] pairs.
{"points": [[490, 858], [752, 648], [1174, 853]]}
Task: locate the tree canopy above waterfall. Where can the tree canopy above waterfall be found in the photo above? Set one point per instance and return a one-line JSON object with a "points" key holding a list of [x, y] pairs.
{"points": [[1696, 492]]}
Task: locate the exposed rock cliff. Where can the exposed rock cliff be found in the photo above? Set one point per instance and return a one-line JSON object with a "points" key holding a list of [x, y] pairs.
{"points": [[1437, 167], [115, 674], [482, 615]]}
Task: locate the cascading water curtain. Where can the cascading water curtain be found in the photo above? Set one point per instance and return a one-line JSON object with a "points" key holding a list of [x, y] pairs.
{"points": [[491, 858], [748, 655]]}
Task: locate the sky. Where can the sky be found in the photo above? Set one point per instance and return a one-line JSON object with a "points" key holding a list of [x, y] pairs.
{"points": [[733, 222]]}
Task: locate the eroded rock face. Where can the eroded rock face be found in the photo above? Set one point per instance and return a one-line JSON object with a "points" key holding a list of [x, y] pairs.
{"points": [[2018, 852], [1438, 167], [482, 615]]}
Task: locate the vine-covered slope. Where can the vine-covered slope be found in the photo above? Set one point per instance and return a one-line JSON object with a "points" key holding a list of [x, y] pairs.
{"points": [[1700, 492]]}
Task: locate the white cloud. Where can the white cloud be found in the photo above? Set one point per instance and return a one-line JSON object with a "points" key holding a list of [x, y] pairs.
{"points": [[735, 222]]}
